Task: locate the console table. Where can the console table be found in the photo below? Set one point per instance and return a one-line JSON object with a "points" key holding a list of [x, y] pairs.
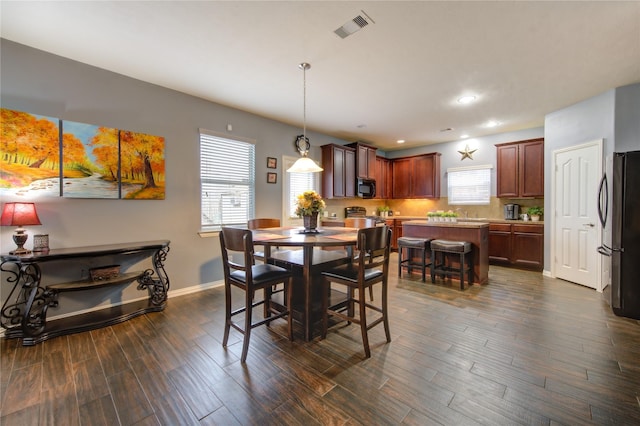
{"points": [[24, 312]]}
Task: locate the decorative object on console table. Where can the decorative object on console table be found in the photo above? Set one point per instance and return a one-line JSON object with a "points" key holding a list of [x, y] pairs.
{"points": [[308, 205], [41, 243], [20, 214], [104, 273]]}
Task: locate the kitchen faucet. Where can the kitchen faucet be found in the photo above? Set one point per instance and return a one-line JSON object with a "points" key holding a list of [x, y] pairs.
{"points": [[463, 212]]}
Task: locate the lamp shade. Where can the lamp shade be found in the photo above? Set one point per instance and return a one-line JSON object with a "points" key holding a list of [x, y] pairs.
{"points": [[304, 165], [19, 214]]}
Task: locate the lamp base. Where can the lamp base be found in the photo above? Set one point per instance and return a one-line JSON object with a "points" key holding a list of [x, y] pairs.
{"points": [[20, 237], [20, 251]]}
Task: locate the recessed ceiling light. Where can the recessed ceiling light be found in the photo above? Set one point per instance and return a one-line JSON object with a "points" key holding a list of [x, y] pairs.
{"points": [[464, 136], [492, 123], [361, 126], [466, 99], [446, 129], [400, 141]]}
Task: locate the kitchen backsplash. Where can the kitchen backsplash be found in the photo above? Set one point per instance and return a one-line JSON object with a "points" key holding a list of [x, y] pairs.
{"points": [[420, 207]]}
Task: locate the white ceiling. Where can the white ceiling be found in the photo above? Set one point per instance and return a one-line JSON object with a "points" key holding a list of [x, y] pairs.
{"points": [[397, 78]]}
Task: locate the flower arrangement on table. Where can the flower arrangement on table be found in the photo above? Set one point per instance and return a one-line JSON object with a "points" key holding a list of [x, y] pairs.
{"points": [[308, 203]]}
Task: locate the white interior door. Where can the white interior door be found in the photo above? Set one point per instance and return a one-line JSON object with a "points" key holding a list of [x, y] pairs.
{"points": [[575, 223]]}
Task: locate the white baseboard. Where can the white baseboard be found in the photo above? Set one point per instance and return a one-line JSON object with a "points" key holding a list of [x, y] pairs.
{"points": [[170, 294]]}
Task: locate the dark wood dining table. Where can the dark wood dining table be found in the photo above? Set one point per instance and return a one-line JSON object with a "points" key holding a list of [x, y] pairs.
{"points": [[307, 255]]}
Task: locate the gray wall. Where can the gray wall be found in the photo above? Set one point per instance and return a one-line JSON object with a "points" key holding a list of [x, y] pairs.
{"points": [[41, 83], [613, 116], [627, 115]]}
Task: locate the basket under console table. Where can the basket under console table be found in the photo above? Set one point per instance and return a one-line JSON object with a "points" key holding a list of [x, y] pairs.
{"points": [[24, 311]]}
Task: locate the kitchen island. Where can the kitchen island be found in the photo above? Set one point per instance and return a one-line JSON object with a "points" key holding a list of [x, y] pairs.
{"points": [[477, 233]]}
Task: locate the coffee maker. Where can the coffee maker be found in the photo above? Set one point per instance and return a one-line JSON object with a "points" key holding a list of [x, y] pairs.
{"points": [[511, 211]]}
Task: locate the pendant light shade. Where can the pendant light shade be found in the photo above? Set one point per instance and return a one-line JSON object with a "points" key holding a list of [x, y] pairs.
{"points": [[304, 164]]}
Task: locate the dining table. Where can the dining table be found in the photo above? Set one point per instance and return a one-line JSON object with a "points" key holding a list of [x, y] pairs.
{"points": [[307, 254]]}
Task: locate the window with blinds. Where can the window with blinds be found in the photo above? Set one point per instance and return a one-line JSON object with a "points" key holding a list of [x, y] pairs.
{"points": [[296, 184], [227, 181], [469, 185]]}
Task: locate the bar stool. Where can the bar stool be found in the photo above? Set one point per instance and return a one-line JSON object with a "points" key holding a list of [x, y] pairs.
{"points": [[411, 244], [441, 249]]}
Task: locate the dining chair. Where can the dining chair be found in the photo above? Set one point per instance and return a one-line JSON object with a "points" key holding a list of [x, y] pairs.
{"points": [[250, 278], [370, 267], [361, 222], [262, 223]]}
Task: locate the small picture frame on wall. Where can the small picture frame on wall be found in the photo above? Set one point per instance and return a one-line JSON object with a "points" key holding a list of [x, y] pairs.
{"points": [[272, 177], [272, 163]]}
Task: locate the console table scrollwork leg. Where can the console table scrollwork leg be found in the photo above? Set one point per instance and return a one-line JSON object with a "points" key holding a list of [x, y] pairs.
{"points": [[24, 312], [157, 286]]}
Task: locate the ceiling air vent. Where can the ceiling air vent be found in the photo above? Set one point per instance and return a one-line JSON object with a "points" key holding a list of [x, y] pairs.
{"points": [[354, 25]]}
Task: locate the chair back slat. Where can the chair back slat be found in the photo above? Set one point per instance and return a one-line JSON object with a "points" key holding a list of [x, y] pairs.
{"points": [[262, 223]]}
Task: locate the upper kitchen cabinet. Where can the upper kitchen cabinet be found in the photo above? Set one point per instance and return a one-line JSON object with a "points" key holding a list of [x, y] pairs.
{"points": [[383, 178], [417, 177], [520, 169], [338, 177], [365, 160]]}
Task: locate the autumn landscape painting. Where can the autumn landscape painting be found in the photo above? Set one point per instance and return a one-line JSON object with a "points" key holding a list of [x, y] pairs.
{"points": [[47, 156]]}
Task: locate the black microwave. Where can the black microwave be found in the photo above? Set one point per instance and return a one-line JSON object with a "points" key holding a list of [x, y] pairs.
{"points": [[366, 188]]}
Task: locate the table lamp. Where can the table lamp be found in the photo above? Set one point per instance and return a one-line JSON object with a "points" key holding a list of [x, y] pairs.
{"points": [[20, 214]]}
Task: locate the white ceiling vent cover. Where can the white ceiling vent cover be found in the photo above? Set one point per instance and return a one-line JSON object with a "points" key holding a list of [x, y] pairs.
{"points": [[354, 25]]}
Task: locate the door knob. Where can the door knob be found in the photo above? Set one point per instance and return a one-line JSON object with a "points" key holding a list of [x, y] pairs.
{"points": [[590, 225]]}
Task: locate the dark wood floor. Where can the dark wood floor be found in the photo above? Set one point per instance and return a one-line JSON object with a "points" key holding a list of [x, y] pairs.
{"points": [[524, 349]]}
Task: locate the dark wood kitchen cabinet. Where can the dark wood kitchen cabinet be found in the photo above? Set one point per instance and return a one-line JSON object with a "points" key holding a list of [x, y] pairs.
{"points": [[416, 177], [520, 169], [338, 176], [365, 160], [383, 178], [517, 244]]}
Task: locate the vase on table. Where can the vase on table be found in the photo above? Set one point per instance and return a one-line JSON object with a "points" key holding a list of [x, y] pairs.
{"points": [[310, 222]]}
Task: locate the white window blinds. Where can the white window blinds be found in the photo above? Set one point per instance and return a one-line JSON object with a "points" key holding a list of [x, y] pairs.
{"points": [[469, 185], [227, 181]]}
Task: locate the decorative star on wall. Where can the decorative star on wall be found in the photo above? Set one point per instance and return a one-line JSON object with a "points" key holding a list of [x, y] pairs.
{"points": [[467, 153]]}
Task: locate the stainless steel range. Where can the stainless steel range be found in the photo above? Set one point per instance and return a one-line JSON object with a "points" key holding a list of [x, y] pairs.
{"points": [[358, 211]]}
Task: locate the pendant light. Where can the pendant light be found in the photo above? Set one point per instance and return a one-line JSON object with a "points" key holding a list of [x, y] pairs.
{"points": [[304, 164]]}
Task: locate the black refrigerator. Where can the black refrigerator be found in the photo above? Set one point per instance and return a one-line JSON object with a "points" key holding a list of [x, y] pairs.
{"points": [[622, 206]]}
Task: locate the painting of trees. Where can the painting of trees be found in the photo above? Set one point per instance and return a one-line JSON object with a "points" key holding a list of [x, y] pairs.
{"points": [[29, 151], [142, 161], [78, 160]]}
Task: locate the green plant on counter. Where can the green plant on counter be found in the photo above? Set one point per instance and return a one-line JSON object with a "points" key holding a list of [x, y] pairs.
{"points": [[535, 211], [384, 209], [450, 214]]}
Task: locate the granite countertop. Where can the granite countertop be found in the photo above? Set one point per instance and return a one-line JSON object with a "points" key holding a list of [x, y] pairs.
{"points": [[458, 224], [473, 219]]}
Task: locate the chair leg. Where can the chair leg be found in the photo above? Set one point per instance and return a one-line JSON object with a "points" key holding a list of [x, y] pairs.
{"points": [[247, 326], [363, 324], [326, 288], [288, 291], [424, 264], [385, 315], [227, 315], [371, 293], [400, 249]]}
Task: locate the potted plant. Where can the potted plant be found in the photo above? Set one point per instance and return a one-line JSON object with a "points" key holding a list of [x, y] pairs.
{"points": [[383, 211], [308, 205], [451, 216], [535, 212]]}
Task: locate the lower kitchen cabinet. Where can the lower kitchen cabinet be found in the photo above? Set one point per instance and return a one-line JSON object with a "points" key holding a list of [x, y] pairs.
{"points": [[520, 245]]}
